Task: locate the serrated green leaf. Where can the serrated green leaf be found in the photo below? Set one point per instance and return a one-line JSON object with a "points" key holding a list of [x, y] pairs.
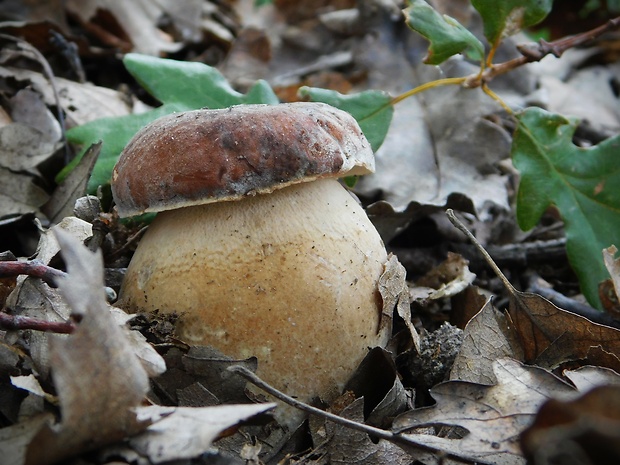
{"points": [[584, 184], [447, 36], [180, 86], [370, 108], [507, 17]]}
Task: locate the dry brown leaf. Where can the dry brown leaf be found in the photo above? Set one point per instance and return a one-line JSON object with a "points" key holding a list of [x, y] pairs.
{"points": [[547, 335], [32, 137], [493, 416], [62, 202], [19, 194], [376, 380], [487, 337], [395, 295], [449, 278], [550, 336]]}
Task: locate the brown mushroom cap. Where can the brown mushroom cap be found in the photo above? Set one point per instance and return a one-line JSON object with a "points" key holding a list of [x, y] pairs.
{"points": [[231, 153]]}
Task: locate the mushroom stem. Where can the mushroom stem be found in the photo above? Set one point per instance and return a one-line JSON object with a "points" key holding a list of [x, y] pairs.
{"points": [[290, 277]]}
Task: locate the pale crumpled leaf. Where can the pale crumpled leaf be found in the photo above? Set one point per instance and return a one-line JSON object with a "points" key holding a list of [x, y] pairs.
{"points": [[19, 194], [493, 416], [99, 388], [448, 279], [33, 298], [179, 433], [31, 384], [48, 246]]}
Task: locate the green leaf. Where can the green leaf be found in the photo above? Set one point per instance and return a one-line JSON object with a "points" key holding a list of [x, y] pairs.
{"points": [[584, 184], [447, 36], [507, 17], [192, 84], [180, 86], [371, 109]]}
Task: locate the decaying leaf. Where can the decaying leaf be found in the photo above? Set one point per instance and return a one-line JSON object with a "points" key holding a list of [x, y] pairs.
{"points": [[81, 102], [550, 336], [62, 201]]}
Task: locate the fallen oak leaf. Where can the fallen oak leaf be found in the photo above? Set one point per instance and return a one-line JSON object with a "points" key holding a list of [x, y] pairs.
{"points": [[492, 416]]}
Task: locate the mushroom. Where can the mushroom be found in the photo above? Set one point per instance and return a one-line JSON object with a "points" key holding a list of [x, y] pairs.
{"points": [[257, 246]]}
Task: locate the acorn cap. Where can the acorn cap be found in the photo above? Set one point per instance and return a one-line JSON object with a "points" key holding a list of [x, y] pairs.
{"points": [[206, 156]]}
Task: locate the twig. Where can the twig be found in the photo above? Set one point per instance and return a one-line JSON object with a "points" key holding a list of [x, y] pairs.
{"points": [[531, 53], [396, 438], [33, 268], [18, 322]]}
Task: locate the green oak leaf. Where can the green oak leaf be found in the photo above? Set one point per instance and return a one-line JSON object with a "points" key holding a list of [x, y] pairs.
{"points": [[371, 109], [583, 183], [179, 86], [507, 17], [447, 36]]}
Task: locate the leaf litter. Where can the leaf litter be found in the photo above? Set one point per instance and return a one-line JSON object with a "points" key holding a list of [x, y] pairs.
{"points": [[529, 380]]}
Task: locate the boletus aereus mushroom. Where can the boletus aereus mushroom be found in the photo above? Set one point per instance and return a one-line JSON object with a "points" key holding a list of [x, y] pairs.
{"points": [[257, 246]]}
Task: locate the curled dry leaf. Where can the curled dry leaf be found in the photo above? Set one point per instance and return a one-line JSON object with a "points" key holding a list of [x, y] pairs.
{"points": [[451, 277], [536, 332], [542, 334], [378, 383], [395, 294]]}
